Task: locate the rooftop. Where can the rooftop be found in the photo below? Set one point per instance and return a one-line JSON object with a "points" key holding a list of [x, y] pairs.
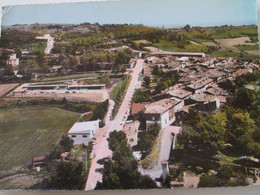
{"points": [[137, 107], [179, 93], [84, 127], [160, 106], [200, 83]]}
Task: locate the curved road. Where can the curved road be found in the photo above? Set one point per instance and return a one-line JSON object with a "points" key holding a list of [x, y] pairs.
{"points": [[100, 144]]}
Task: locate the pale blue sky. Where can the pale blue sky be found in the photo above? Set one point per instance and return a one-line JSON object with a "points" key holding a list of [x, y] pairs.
{"points": [[168, 13]]}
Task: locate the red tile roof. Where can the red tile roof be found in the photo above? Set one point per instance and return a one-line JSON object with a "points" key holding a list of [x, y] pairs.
{"points": [[137, 107]]}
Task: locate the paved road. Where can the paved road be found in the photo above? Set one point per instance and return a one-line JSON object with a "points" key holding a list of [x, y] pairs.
{"points": [[100, 147], [50, 45]]}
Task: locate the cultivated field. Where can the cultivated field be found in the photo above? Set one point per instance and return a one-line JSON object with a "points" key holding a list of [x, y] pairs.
{"points": [[254, 52], [4, 88], [30, 131], [229, 44]]}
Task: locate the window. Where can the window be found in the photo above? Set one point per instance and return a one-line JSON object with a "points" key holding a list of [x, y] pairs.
{"points": [[73, 136], [84, 136]]}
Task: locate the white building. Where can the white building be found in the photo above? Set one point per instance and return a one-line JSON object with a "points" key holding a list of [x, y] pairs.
{"points": [[13, 60], [82, 132], [161, 112]]}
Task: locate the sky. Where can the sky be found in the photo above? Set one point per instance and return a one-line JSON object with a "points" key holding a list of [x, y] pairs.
{"points": [[160, 13]]}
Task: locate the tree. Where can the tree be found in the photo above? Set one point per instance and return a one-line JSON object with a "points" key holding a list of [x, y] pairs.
{"points": [[240, 130], [160, 87], [67, 143], [121, 171], [187, 27], [69, 175], [123, 69], [208, 181], [206, 133], [141, 96], [123, 57], [8, 70], [147, 81], [156, 70]]}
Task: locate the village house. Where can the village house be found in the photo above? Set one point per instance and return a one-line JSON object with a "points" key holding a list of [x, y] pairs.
{"points": [[83, 132], [137, 108], [161, 112], [182, 115], [199, 85], [203, 102]]}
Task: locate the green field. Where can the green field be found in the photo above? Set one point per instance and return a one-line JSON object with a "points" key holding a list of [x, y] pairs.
{"points": [[225, 53], [30, 131], [172, 46], [247, 47]]}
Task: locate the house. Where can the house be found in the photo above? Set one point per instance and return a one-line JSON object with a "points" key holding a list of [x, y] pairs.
{"points": [[137, 108], [215, 75], [161, 112], [178, 93], [181, 115], [199, 85], [240, 72], [39, 161], [83, 132], [198, 99], [209, 106], [13, 60]]}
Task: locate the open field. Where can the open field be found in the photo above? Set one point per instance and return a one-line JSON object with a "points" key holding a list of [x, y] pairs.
{"points": [[30, 131], [4, 88], [254, 52], [90, 96], [248, 47], [173, 46], [233, 54], [20, 181], [229, 44]]}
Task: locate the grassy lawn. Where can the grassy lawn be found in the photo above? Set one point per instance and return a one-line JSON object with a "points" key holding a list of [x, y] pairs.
{"points": [[30, 131], [247, 47]]}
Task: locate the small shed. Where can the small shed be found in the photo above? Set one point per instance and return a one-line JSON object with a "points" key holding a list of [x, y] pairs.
{"points": [[39, 161]]}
